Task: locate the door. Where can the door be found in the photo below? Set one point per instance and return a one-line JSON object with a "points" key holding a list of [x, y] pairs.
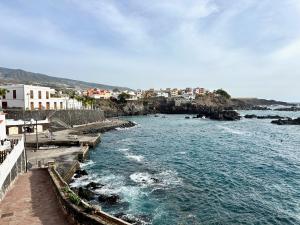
{"points": [[31, 105], [4, 105]]}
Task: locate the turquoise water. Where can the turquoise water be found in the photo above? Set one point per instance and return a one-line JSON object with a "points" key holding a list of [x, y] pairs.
{"points": [[178, 171]]}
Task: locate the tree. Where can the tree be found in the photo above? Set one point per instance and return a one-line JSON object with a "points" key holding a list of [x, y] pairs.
{"points": [[222, 93], [123, 97], [3, 92], [116, 90]]}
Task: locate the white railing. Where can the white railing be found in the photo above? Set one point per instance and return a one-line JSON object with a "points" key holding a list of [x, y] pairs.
{"points": [[9, 163]]}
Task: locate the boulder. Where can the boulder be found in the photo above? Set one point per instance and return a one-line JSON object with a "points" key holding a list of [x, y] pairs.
{"points": [[110, 199], [79, 173], [85, 193], [288, 121], [93, 185]]}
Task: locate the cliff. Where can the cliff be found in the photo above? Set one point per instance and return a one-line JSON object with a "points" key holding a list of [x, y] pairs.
{"points": [[179, 105]]}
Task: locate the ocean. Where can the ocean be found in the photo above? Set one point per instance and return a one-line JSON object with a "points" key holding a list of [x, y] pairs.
{"points": [[169, 170]]}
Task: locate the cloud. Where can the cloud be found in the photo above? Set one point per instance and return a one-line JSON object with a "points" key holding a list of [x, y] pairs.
{"points": [[237, 45]]}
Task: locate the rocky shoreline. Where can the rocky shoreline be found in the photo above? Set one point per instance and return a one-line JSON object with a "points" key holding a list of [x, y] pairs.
{"points": [[288, 121]]}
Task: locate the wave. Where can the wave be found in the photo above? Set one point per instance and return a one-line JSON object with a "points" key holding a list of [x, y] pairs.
{"points": [[87, 163], [233, 131], [137, 158], [163, 179]]}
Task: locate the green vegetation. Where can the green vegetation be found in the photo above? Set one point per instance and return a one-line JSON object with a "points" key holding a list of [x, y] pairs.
{"points": [[3, 92], [71, 196], [123, 97], [222, 93]]}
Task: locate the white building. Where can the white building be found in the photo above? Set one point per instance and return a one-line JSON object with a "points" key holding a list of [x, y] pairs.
{"points": [[31, 97], [2, 126], [162, 94]]}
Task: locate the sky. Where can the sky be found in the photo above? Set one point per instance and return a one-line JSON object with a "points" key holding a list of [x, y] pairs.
{"points": [[251, 48]]}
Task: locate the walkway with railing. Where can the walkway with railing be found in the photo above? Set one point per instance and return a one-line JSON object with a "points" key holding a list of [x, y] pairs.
{"points": [[32, 200]]}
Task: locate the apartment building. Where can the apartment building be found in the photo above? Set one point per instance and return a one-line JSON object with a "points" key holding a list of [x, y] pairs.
{"points": [[31, 97]]}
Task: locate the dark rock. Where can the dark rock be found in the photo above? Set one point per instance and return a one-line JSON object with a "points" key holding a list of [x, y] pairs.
{"points": [[80, 173], [134, 220], [288, 121], [252, 116], [110, 199], [218, 114], [85, 193], [187, 117], [94, 185], [291, 109], [155, 180]]}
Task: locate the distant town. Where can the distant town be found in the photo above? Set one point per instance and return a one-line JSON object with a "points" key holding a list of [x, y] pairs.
{"points": [[31, 97]]}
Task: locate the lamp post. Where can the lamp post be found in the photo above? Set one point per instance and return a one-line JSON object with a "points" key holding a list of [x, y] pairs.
{"points": [[36, 133]]}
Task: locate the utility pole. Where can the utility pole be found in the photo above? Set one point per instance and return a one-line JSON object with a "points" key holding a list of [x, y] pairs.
{"points": [[37, 136], [24, 131]]}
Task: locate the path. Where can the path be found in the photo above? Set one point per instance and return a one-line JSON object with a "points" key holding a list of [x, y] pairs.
{"points": [[31, 201]]}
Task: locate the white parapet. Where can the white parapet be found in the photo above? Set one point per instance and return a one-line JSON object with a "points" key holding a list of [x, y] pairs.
{"points": [[8, 164]]}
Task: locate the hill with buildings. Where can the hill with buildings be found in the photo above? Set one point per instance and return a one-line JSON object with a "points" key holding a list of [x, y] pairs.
{"points": [[18, 76]]}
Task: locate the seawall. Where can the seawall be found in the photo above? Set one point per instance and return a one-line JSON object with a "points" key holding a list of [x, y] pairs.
{"points": [[69, 117]]}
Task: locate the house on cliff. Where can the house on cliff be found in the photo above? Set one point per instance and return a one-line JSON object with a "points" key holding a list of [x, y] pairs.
{"points": [[31, 97]]}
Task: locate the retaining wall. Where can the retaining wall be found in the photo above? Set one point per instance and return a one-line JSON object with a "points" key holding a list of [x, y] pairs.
{"points": [[12, 166], [83, 213], [70, 117]]}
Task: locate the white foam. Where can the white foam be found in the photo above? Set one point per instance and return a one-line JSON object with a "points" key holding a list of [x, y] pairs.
{"points": [[123, 149], [142, 178], [87, 163], [137, 158], [233, 131], [166, 178]]}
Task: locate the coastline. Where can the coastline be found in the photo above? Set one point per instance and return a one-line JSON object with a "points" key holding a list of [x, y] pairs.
{"points": [[64, 162]]}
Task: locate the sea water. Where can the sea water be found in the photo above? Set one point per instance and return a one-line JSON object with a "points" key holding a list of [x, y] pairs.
{"points": [[174, 170]]}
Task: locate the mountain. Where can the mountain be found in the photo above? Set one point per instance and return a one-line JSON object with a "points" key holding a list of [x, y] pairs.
{"points": [[18, 76]]}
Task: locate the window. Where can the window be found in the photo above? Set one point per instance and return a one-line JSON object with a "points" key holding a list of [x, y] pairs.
{"points": [[55, 105], [4, 97], [40, 106], [32, 105], [61, 105], [40, 94], [47, 94], [31, 94], [14, 94], [47, 105]]}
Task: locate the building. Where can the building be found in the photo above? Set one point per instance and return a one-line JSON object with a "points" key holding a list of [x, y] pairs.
{"points": [[199, 91], [162, 94], [174, 92], [31, 97], [2, 126], [99, 93]]}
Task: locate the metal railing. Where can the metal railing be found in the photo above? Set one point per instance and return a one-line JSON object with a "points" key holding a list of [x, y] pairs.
{"points": [[14, 164]]}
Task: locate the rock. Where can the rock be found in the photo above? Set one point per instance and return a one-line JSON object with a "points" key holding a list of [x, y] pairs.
{"points": [[288, 121], [252, 116], [85, 193], [187, 117], [218, 114], [134, 220], [94, 185], [155, 180], [79, 173], [110, 199], [291, 109]]}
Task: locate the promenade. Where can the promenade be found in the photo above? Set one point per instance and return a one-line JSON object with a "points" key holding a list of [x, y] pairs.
{"points": [[31, 201]]}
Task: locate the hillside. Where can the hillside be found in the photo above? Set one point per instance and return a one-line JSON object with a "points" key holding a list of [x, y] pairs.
{"points": [[18, 76]]}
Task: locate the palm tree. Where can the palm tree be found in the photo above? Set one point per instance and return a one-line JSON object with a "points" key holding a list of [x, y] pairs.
{"points": [[3, 92]]}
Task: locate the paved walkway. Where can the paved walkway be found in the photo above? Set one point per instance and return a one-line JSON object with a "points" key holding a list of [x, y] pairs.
{"points": [[31, 201]]}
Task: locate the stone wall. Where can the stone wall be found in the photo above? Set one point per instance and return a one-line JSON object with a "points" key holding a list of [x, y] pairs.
{"points": [[82, 213], [70, 117]]}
